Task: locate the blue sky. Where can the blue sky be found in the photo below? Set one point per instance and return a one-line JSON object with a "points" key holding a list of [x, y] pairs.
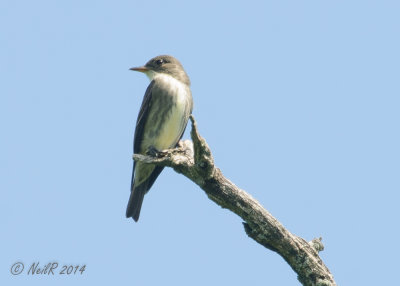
{"points": [[298, 100]]}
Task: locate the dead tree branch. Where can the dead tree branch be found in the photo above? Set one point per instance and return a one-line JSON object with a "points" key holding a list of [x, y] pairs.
{"points": [[194, 160]]}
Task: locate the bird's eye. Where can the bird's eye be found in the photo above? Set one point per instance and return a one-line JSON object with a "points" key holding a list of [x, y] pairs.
{"points": [[160, 62]]}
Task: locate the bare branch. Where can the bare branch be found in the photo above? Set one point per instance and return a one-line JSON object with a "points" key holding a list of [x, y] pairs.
{"points": [[194, 160]]}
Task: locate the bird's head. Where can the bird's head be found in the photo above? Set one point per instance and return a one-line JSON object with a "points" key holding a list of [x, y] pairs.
{"points": [[164, 65]]}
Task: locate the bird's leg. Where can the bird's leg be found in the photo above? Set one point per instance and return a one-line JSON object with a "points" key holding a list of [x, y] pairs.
{"points": [[154, 152]]}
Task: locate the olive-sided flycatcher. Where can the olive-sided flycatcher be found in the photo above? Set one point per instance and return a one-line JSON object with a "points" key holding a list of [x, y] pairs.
{"points": [[162, 119]]}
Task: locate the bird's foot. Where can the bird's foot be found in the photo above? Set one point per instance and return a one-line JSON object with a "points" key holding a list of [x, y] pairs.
{"points": [[154, 152]]}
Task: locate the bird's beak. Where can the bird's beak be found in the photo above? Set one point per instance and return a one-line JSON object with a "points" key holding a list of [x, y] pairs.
{"points": [[140, 69]]}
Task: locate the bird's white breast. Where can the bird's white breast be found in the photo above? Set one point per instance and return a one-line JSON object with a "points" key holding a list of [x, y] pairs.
{"points": [[172, 127]]}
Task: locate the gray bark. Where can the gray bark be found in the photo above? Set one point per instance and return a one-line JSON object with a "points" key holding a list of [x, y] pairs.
{"points": [[194, 160]]}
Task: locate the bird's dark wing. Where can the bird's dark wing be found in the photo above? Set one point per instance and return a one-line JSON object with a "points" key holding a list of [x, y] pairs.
{"points": [[137, 193], [137, 141], [142, 118]]}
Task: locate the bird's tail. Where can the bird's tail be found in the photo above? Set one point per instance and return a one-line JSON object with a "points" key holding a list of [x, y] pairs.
{"points": [[135, 201]]}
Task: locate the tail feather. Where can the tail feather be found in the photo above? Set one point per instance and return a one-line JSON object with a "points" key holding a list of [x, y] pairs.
{"points": [[135, 201], [138, 192]]}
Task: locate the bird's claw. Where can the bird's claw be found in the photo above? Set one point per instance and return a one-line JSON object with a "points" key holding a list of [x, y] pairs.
{"points": [[154, 152]]}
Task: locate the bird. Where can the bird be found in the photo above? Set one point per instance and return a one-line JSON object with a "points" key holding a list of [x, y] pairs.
{"points": [[163, 116]]}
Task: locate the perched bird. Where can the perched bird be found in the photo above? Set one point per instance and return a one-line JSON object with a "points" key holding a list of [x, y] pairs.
{"points": [[162, 119]]}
